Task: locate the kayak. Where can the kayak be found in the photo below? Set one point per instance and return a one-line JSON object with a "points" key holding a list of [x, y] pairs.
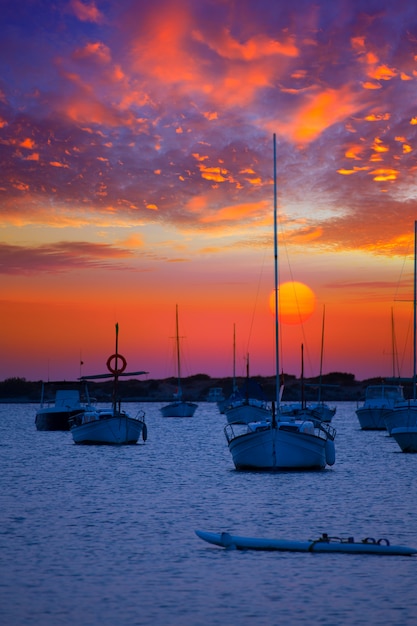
{"points": [[324, 544]]}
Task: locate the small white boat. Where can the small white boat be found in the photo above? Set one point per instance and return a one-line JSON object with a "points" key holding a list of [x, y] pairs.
{"points": [[322, 411], [56, 416], [111, 426], [215, 394], [108, 426], [247, 404], [247, 410], [323, 544], [319, 411], [378, 399], [178, 407], [303, 410]]}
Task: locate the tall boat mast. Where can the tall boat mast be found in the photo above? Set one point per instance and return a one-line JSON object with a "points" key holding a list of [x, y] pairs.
{"points": [[277, 385], [415, 313], [178, 351]]}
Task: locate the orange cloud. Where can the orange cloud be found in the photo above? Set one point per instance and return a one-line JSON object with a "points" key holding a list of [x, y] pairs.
{"points": [[383, 175], [383, 72], [97, 52], [234, 213], [86, 12], [27, 143], [33, 157], [377, 117], [57, 164], [319, 111], [368, 85], [252, 49], [354, 152], [217, 174], [378, 146]]}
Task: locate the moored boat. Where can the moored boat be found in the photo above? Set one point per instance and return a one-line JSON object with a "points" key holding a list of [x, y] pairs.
{"points": [[55, 415], [111, 425], [247, 404], [378, 399], [178, 407], [281, 443], [108, 426]]}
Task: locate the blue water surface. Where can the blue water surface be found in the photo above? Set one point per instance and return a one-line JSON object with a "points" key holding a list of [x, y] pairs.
{"points": [[98, 535]]}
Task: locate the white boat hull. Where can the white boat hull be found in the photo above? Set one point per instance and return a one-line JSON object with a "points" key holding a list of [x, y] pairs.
{"points": [[179, 409], [371, 418], [290, 445], [403, 414], [106, 429], [378, 400], [247, 412], [406, 437], [323, 544], [317, 411]]}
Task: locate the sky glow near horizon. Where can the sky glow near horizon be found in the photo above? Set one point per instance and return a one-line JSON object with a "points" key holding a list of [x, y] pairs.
{"points": [[137, 174]]}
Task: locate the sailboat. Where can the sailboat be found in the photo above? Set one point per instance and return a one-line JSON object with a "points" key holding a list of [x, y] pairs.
{"points": [[319, 410], [112, 425], [372, 415], [281, 443], [179, 407], [246, 405], [403, 415], [322, 410]]}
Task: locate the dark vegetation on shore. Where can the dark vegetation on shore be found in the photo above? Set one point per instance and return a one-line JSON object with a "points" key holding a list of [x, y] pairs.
{"points": [[336, 386]]}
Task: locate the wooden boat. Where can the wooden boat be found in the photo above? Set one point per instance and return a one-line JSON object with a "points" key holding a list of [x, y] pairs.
{"points": [[109, 426], [323, 544], [178, 407]]}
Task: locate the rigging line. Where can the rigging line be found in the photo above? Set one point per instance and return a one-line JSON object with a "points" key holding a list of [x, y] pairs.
{"points": [[398, 299], [400, 278], [256, 299], [296, 300]]}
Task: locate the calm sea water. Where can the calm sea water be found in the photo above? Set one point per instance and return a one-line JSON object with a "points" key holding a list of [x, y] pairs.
{"points": [[95, 535]]}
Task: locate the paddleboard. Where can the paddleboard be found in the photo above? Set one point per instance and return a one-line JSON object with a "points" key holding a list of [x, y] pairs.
{"points": [[323, 544]]}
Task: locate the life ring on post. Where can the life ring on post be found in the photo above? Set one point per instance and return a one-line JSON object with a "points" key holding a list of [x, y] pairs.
{"points": [[115, 358]]}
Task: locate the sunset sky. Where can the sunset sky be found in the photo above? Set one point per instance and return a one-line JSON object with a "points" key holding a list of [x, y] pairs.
{"points": [[137, 174]]}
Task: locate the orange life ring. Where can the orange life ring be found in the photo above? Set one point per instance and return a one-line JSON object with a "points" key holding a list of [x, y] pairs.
{"points": [[116, 370]]}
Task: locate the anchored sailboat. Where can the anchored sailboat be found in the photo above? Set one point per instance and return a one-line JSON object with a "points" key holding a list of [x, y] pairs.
{"points": [[179, 407], [281, 443]]}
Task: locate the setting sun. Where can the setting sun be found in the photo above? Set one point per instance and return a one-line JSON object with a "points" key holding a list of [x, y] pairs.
{"points": [[296, 302]]}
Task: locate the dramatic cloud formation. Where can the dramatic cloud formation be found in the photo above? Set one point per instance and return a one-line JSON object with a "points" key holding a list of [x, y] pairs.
{"points": [[137, 137]]}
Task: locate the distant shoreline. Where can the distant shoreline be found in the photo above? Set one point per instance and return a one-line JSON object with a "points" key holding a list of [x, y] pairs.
{"points": [[335, 386]]}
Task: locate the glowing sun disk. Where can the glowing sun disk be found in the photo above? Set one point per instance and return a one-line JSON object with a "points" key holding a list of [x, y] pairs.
{"points": [[296, 302]]}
